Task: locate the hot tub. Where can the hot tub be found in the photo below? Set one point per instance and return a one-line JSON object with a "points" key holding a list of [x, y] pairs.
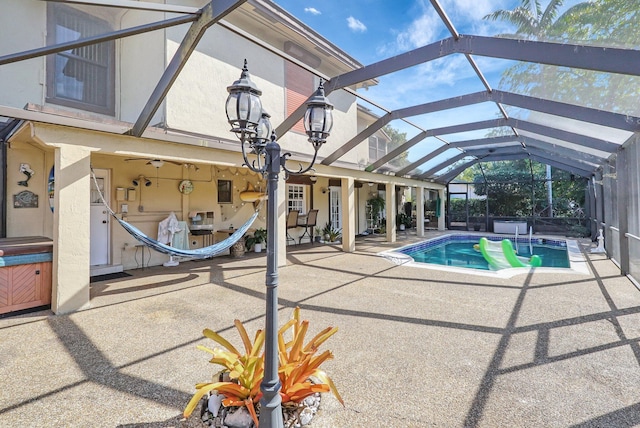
{"points": [[25, 273]]}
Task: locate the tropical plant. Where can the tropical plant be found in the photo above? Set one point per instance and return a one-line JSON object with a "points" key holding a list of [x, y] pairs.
{"points": [[376, 206], [298, 371], [245, 372], [334, 235], [258, 237], [330, 233], [404, 219]]}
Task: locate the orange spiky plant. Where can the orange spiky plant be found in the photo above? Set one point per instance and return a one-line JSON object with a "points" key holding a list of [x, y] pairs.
{"points": [[298, 365]]}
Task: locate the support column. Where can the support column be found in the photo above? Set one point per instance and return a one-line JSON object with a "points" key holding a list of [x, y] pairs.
{"points": [[593, 212], [599, 191], [622, 190], [71, 230], [420, 211], [390, 211], [348, 214], [282, 221], [441, 196]]}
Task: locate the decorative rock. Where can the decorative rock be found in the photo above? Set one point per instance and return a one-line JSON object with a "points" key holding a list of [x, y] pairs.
{"points": [[214, 404], [293, 415], [306, 415], [239, 419]]}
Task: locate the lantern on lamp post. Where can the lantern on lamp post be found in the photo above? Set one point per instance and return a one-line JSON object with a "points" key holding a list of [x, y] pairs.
{"points": [[251, 125]]}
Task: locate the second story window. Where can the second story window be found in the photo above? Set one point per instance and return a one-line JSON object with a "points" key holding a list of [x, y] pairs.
{"points": [[83, 77], [377, 148], [299, 86]]}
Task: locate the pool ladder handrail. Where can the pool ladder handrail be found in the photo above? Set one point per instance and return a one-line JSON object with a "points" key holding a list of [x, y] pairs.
{"points": [[530, 239]]}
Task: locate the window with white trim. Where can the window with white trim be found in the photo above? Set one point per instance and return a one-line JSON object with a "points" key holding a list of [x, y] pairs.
{"points": [[82, 77], [296, 198], [377, 148]]}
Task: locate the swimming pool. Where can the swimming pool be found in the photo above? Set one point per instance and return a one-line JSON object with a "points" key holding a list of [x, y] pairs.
{"points": [[456, 251]]}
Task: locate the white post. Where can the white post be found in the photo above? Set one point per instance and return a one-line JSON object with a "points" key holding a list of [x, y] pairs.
{"points": [[390, 211], [420, 211], [348, 215], [71, 230]]}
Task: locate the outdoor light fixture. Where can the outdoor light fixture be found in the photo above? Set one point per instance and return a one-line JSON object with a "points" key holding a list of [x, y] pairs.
{"points": [[243, 107], [313, 178], [251, 125], [140, 180]]}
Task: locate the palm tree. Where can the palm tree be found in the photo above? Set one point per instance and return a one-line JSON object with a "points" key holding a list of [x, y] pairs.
{"points": [[531, 21], [601, 22]]}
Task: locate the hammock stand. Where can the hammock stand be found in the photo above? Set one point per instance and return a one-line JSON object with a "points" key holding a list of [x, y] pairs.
{"points": [[198, 253]]}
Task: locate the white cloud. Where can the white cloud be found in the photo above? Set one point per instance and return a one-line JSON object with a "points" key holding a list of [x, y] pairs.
{"points": [[469, 20], [356, 25], [312, 10], [476, 12], [421, 31]]}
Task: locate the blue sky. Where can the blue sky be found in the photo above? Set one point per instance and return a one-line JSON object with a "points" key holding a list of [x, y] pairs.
{"points": [[372, 30]]}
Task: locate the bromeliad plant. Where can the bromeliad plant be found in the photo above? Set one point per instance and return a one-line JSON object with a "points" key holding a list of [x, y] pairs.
{"points": [[298, 371], [245, 371], [299, 363]]}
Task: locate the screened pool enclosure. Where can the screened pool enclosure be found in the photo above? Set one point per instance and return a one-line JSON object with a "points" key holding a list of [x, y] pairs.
{"points": [[560, 88]]}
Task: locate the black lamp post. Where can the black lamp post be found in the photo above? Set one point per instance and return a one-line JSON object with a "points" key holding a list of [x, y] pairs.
{"points": [[251, 124]]}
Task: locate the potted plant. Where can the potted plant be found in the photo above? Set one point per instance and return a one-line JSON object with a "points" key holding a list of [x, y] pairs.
{"points": [[376, 204], [256, 240], [334, 235], [403, 221], [325, 231], [260, 237], [330, 233], [318, 235], [237, 387]]}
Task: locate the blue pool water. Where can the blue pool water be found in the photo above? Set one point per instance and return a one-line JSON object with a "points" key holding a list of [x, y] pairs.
{"points": [[459, 252]]}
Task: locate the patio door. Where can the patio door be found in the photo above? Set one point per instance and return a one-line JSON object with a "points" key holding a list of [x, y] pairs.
{"points": [[99, 221], [458, 211], [335, 207]]}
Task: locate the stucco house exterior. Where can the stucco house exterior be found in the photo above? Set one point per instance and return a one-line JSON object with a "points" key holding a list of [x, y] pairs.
{"points": [[66, 114]]}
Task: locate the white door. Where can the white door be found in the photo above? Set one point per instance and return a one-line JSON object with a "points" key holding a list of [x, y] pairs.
{"points": [[335, 207], [99, 219]]}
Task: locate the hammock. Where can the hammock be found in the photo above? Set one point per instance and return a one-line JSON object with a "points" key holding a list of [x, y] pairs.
{"points": [[198, 253]]}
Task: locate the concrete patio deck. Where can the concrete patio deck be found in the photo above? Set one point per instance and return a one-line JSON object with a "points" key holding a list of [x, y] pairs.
{"points": [[416, 347]]}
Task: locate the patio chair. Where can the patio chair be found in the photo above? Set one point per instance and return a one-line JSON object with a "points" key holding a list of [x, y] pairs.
{"points": [[292, 223], [310, 222]]}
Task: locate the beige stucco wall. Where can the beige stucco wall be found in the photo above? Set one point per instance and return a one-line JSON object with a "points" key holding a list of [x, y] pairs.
{"points": [[29, 221], [197, 100], [140, 64], [22, 29]]}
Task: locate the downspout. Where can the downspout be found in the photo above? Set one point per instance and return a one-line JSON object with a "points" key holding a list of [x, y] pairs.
{"points": [[5, 134], [3, 183]]}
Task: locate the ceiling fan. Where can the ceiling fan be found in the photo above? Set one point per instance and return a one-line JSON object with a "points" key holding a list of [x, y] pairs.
{"points": [[156, 163]]}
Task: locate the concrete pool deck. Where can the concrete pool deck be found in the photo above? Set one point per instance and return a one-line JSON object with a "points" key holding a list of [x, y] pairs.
{"points": [[415, 348]]}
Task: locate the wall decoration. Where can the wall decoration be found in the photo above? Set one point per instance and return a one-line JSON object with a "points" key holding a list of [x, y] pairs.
{"points": [[251, 195], [25, 168], [185, 186], [51, 187], [25, 199]]}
